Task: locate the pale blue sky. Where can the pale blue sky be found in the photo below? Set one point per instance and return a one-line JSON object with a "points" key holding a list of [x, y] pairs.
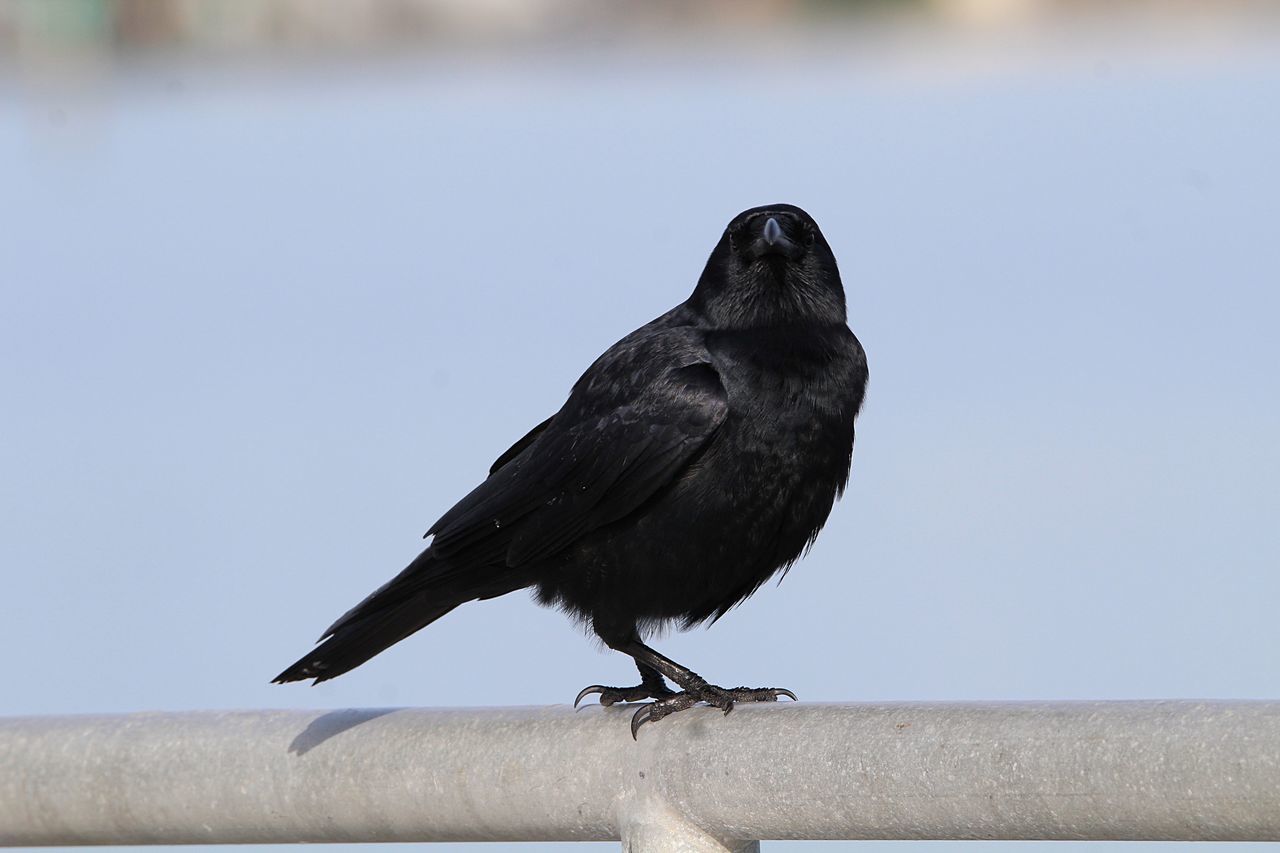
{"points": [[259, 330]]}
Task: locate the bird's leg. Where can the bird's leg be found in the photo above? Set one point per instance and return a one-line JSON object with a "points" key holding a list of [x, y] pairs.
{"points": [[694, 688], [651, 686]]}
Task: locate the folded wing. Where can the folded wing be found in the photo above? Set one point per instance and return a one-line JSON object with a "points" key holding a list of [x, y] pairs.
{"points": [[588, 466]]}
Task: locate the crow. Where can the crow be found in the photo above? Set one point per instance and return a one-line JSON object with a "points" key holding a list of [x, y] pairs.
{"points": [[695, 458]]}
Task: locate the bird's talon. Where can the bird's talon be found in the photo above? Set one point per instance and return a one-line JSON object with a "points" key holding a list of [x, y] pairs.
{"points": [[639, 719], [587, 691], [613, 695]]}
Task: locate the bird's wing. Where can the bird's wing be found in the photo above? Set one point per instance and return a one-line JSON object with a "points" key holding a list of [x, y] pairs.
{"points": [[592, 464], [516, 449]]}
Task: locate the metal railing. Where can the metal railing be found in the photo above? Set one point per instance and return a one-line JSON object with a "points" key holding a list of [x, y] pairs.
{"points": [[696, 781]]}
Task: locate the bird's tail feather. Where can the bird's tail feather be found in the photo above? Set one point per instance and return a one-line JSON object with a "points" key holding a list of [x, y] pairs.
{"points": [[412, 600]]}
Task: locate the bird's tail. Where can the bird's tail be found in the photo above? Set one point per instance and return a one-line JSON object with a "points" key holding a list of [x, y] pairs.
{"points": [[426, 590]]}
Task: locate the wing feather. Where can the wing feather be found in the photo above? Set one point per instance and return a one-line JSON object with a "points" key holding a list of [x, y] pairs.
{"points": [[579, 473], [516, 449]]}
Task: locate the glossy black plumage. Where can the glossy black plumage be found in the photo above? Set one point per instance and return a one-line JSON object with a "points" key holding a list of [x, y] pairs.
{"points": [[694, 459]]}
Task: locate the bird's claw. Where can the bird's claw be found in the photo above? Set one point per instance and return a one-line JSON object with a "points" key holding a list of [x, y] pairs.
{"points": [[655, 711], [716, 697], [587, 691], [638, 719], [761, 694], [614, 695]]}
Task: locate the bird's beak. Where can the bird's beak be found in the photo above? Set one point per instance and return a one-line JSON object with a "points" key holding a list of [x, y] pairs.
{"points": [[773, 232], [774, 241]]}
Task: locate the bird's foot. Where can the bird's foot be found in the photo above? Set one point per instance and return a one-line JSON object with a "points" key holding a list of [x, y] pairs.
{"points": [[614, 695], [716, 697]]}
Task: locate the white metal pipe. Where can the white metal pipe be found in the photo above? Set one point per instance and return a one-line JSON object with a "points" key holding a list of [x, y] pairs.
{"points": [[694, 781]]}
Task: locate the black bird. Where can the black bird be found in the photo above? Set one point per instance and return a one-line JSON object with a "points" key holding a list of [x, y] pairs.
{"points": [[698, 456]]}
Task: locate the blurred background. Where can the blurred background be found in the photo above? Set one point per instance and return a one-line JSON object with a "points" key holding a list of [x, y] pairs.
{"points": [[281, 279]]}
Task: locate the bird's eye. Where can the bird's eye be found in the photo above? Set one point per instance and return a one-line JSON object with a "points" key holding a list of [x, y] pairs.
{"points": [[735, 236]]}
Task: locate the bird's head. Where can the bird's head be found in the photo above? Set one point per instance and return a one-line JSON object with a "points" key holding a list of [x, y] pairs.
{"points": [[772, 267]]}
